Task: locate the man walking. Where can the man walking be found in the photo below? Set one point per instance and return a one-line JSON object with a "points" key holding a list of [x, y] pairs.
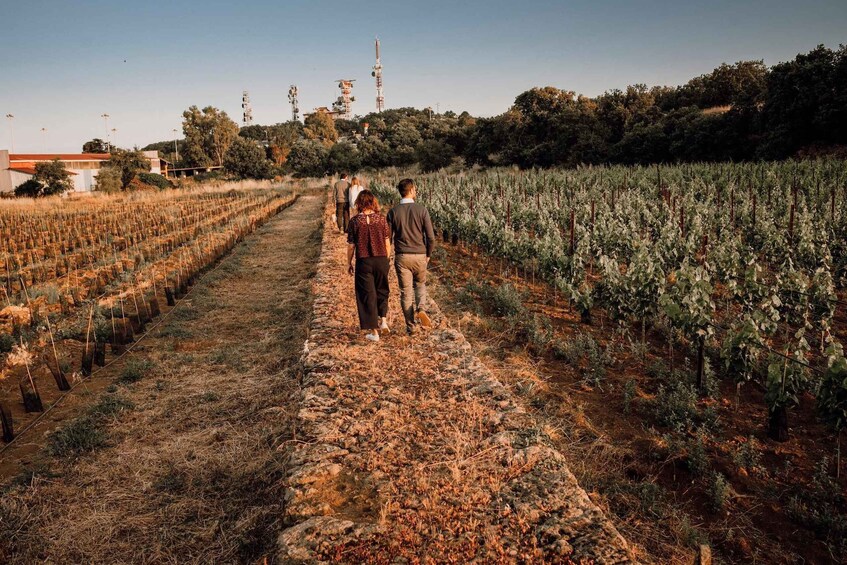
{"points": [[413, 240], [342, 207]]}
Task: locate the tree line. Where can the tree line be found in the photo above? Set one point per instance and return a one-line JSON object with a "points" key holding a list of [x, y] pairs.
{"points": [[737, 112]]}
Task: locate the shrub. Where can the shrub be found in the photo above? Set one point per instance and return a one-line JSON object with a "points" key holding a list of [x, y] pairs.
{"points": [[154, 179], [6, 343], [108, 180], [30, 189]]}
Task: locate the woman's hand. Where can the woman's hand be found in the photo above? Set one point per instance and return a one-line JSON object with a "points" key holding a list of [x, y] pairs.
{"points": [[351, 269]]}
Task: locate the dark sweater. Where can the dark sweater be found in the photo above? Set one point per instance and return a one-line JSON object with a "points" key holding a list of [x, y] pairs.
{"points": [[411, 229]]}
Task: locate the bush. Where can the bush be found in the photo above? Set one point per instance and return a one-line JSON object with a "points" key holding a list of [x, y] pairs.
{"points": [[108, 180], [154, 179], [6, 343], [30, 189]]}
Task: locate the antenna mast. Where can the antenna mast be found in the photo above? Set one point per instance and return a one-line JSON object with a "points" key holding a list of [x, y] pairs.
{"points": [[377, 73], [247, 109], [344, 104], [295, 105]]}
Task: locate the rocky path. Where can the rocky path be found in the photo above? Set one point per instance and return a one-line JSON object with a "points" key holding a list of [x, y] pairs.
{"points": [[411, 451]]}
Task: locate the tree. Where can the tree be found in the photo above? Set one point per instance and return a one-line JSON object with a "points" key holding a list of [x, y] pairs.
{"points": [[308, 158], [433, 155], [247, 160], [319, 126], [96, 145], [282, 138], [343, 157], [129, 163], [53, 177], [208, 135]]}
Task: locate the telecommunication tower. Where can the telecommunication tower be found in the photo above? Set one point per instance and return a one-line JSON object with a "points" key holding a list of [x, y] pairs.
{"points": [[246, 108], [377, 73], [295, 105], [344, 104]]}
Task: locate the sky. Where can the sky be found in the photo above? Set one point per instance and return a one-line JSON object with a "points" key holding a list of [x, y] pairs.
{"points": [[63, 64]]}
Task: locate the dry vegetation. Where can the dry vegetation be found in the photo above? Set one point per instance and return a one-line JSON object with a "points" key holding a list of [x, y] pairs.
{"points": [[178, 460]]}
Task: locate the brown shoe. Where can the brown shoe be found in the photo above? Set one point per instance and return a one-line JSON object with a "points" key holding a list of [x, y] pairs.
{"points": [[423, 319]]}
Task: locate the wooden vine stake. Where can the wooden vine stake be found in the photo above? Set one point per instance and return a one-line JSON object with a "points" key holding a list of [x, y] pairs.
{"points": [[573, 226], [6, 420], [88, 351]]}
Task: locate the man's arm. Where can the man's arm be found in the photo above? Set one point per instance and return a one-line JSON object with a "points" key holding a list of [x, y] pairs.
{"points": [[429, 233], [389, 219]]}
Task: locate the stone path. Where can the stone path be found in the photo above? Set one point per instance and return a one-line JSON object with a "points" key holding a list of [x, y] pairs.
{"points": [[409, 450]]}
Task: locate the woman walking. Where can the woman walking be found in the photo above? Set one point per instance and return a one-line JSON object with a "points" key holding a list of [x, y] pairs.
{"points": [[353, 193], [368, 249]]}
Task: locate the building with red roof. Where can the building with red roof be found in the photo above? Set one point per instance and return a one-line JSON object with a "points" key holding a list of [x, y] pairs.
{"points": [[17, 168]]}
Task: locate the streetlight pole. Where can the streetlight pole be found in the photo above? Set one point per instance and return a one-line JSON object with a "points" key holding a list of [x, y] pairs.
{"points": [[115, 136], [106, 121], [10, 117], [44, 139], [176, 148]]}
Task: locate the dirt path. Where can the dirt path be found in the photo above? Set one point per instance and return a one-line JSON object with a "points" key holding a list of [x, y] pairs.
{"points": [[180, 460], [411, 451]]}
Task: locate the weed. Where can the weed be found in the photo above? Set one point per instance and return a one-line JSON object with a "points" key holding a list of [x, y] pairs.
{"points": [[225, 356], [82, 435], [628, 395], [676, 405], [697, 461], [176, 332], [821, 506], [585, 353], [6, 343], [135, 370], [719, 491], [747, 456], [210, 396]]}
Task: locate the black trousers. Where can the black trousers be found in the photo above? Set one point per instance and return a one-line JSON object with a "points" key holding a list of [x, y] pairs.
{"points": [[342, 215], [371, 291]]}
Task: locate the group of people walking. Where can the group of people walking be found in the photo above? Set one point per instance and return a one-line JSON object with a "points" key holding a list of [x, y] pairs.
{"points": [[404, 234]]}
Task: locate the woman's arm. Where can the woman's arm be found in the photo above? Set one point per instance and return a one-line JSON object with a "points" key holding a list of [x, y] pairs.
{"points": [[351, 255]]}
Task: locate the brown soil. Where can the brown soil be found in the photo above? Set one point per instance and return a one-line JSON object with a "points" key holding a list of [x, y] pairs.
{"points": [[643, 482], [191, 471]]}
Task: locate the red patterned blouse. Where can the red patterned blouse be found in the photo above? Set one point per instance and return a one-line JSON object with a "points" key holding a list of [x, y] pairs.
{"points": [[368, 233]]}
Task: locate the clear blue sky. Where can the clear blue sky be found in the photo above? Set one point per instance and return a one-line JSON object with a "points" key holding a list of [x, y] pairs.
{"points": [[62, 62]]}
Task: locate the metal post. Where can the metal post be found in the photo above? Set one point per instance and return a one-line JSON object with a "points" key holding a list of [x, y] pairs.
{"points": [[106, 122]]}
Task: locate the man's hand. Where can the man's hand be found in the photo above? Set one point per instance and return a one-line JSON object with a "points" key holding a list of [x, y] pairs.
{"points": [[427, 260]]}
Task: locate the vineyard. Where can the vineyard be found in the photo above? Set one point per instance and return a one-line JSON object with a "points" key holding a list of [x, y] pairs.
{"points": [[83, 279], [713, 276]]}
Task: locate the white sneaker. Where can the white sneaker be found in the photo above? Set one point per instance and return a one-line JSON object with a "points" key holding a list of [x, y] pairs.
{"points": [[372, 337], [383, 326]]}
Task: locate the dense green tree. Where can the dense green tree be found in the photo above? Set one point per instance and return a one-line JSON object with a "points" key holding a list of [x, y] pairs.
{"points": [[343, 157], [96, 145], [208, 134], [320, 126], [247, 160], [433, 155], [308, 158]]}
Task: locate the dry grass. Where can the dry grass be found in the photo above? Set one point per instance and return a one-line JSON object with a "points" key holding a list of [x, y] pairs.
{"points": [[193, 473]]}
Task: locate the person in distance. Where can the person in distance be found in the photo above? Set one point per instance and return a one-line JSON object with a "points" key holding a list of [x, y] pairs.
{"points": [[342, 212], [413, 238], [368, 249], [353, 193]]}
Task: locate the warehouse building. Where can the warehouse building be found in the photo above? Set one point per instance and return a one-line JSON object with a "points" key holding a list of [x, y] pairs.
{"points": [[17, 168]]}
